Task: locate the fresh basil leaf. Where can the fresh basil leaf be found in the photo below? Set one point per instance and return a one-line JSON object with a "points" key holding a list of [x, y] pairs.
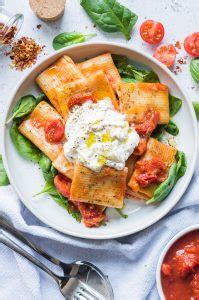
{"points": [[165, 187], [174, 105], [172, 128], [51, 190], [194, 69], [49, 172], [25, 106], [176, 171], [110, 16], [196, 108], [120, 212], [131, 73], [181, 164], [128, 79], [70, 38], [25, 148], [3, 176], [158, 132]]}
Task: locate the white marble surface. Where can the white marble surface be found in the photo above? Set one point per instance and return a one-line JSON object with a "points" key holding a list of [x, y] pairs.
{"points": [[180, 18]]}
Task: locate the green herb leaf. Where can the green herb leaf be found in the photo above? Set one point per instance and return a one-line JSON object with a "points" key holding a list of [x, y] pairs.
{"points": [[49, 172], [120, 212], [172, 128], [3, 176], [176, 171], [194, 69], [25, 106], [181, 164], [164, 188], [25, 148], [131, 73], [110, 16], [51, 190], [196, 108], [158, 132], [70, 38], [174, 105]]}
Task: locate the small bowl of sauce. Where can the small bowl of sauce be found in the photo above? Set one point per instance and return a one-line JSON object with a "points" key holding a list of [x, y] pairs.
{"points": [[177, 273]]}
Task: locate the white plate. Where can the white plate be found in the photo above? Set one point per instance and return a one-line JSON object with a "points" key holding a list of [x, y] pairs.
{"points": [[27, 178]]}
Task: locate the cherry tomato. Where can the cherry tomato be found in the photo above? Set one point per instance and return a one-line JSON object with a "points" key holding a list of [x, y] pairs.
{"points": [[54, 131], [191, 44], [63, 185], [79, 99], [152, 32], [166, 54]]}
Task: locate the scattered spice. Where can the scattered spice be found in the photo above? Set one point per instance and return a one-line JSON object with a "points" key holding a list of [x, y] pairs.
{"points": [[182, 60], [178, 45], [39, 26], [24, 53], [7, 38]]}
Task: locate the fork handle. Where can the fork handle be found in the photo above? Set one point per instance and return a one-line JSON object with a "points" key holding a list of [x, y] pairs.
{"points": [[16, 248], [4, 224]]}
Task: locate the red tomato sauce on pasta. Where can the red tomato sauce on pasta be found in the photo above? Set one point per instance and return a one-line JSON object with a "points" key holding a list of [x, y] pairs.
{"points": [[180, 269]]}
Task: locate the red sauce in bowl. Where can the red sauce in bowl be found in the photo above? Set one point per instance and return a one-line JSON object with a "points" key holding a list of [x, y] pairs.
{"points": [[180, 269]]}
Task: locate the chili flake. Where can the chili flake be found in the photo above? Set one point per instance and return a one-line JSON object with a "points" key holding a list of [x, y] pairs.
{"points": [[24, 53], [7, 38]]}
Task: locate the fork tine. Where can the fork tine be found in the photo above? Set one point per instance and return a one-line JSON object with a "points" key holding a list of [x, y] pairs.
{"points": [[87, 293]]}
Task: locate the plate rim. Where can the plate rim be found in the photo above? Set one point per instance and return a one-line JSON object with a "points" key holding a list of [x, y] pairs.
{"points": [[126, 232]]}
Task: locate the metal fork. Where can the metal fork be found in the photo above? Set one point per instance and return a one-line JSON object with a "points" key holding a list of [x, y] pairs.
{"points": [[81, 280]]}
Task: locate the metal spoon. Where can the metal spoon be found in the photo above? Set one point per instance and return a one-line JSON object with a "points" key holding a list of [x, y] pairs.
{"points": [[81, 278]]}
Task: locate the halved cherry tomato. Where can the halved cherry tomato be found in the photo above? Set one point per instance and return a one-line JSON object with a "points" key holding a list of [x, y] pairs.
{"points": [[63, 185], [54, 131], [191, 44], [166, 54], [79, 99], [152, 32]]}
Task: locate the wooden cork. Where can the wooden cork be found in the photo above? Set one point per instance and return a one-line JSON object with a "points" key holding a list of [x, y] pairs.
{"points": [[48, 10]]}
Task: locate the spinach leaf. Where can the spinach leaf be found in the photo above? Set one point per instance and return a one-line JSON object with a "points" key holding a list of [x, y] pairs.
{"points": [[174, 105], [164, 188], [25, 148], [50, 189], [176, 171], [110, 16], [120, 212], [131, 73], [196, 108], [3, 176], [194, 69], [181, 164], [158, 132], [25, 106], [49, 172], [70, 38], [172, 128]]}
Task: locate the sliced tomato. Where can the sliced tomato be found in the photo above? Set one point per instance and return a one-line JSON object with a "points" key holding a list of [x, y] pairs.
{"points": [[191, 44], [54, 131], [79, 99], [63, 185], [152, 32], [166, 54]]}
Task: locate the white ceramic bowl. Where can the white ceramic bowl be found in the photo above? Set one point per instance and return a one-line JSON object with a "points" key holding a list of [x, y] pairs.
{"points": [[164, 252], [27, 178]]}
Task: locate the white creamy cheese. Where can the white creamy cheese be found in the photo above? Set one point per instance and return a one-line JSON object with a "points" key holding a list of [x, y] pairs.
{"points": [[98, 135]]}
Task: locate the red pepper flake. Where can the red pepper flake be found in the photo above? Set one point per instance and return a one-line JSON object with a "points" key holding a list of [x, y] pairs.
{"points": [[24, 53], [39, 26], [178, 45], [7, 38]]}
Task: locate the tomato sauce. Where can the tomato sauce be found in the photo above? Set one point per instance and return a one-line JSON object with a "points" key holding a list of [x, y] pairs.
{"points": [[180, 269]]}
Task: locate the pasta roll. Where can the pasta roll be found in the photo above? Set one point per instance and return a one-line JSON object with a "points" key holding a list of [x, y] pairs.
{"points": [[136, 98], [102, 62], [105, 188]]}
